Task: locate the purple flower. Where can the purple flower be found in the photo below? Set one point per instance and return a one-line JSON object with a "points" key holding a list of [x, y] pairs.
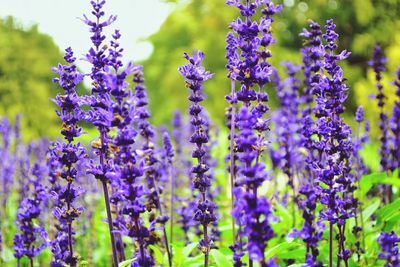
{"points": [[152, 164], [251, 40], [31, 237], [65, 156], [251, 212], [287, 123], [334, 145], [378, 63], [195, 74], [395, 124], [389, 249]]}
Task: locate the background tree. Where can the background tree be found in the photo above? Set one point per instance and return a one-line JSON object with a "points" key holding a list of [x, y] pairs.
{"points": [[202, 24]]}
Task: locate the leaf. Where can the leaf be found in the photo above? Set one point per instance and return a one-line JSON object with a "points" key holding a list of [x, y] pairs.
{"points": [[158, 255], [368, 181], [367, 212], [126, 263], [390, 210], [220, 259], [284, 214], [284, 246], [187, 250], [194, 261]]}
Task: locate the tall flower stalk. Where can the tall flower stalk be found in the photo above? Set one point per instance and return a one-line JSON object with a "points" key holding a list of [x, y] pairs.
{"points": [[195, 74], [395, 124], [312, 229], [70, 153], [151, 162], [100, 102], [250, 67], [359, 170], [334, 169], [378, 63]]}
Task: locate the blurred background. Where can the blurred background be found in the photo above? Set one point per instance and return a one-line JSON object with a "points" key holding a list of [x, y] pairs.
{"points": [[155, 33]]}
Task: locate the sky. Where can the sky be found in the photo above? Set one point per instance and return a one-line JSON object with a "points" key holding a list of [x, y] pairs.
{"points": [[137, 19]]}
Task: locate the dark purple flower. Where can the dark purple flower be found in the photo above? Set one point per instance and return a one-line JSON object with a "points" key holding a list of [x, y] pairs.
{"points": [[378, 64], [389, 249], [195, 74], [152, 164], [31, 237], [67, 155], [395, 124], [334, 145], [287, 124]]}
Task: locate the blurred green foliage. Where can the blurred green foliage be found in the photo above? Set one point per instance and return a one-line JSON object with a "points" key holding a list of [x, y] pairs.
{"points": [[203, 24], [26, 58]]}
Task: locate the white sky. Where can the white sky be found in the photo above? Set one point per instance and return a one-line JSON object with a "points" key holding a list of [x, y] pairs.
{"points": [[136, 20]]}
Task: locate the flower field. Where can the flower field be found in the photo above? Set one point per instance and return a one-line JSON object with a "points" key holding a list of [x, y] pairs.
{"points": [[294, 185]]}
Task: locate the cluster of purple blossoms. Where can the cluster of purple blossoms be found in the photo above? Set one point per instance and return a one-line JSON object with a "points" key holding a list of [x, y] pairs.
{"points": [[333, 171], [31, 238], [359, 169], [378, 63], [252, 212], [389, 249], [359, 141], [247, 56], [195, 74], [395, 125], [67, 155], [311, 232], [101, 103], [312, 52], [287, 125], [126, 168], [182, 167], [7, 165], [153, 171]]}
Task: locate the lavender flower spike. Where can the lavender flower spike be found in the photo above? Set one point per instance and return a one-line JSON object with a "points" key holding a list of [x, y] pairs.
{"points": [[195, 74], [395, 124], [334, 173], [70, 153], [378, 63], [389, 249], [101, 102]]}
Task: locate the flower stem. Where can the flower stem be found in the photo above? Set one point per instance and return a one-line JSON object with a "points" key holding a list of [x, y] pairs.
{"points": [[141, 247], [232, 157], [110, 223], [205, 230], [172, 200], [107, 201], [71, 250], [330, 244], [206, 241]]}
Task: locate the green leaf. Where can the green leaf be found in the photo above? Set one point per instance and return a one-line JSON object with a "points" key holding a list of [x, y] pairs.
{"points": [[284, 246], [194, 261], [126, 263], [367, 212], [368, 181], [83, 264], [187, 250], [284, 213], [220, 259], [158, 255], [390, 210]]}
